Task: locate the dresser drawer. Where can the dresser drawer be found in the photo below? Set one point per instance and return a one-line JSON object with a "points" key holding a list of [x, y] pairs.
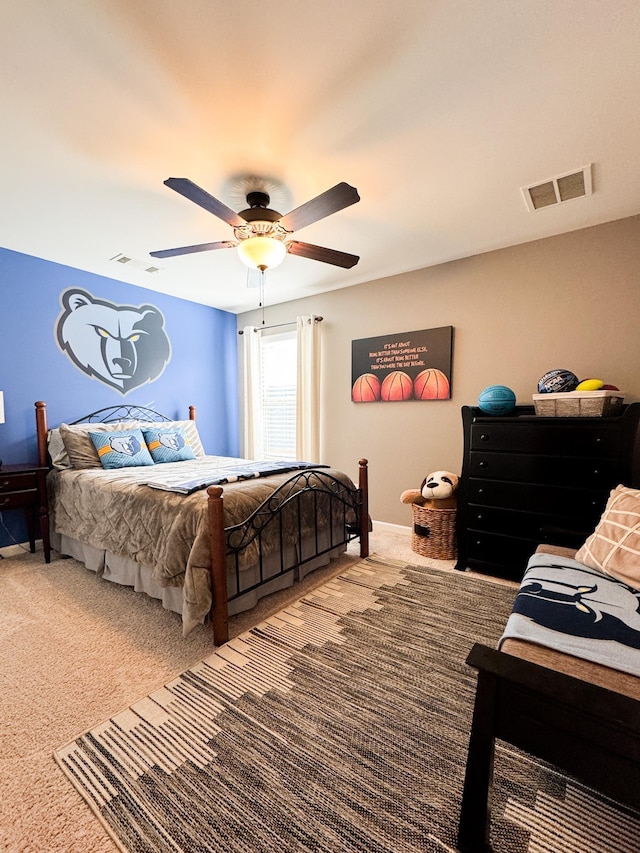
{"points": [[540, 527], [525, 468], [590, 439], [549, 529], [18, 482], [508, 551], [18, 500], [537, 498]]}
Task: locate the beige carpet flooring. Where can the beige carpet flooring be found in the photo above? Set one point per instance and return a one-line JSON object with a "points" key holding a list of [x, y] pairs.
{"points": [[75, 650]]}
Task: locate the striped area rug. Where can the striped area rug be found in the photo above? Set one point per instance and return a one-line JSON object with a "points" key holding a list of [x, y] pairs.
{"points": [[340, 724]]}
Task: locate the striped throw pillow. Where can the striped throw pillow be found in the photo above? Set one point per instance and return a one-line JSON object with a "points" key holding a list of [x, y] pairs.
{"points": [[614, 546]]}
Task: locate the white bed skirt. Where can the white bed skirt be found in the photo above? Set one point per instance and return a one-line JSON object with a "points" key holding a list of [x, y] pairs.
{"points": [[127, 572]]}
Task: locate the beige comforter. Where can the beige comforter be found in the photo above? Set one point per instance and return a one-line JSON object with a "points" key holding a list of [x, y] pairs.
{"points": [[114, 511]]}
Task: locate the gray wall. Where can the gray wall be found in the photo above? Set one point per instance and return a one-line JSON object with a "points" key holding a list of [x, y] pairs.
{"points": [[570, 301]]}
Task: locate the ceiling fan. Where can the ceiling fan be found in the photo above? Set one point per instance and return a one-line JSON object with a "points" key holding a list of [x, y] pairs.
{"points": [[260, 233]]}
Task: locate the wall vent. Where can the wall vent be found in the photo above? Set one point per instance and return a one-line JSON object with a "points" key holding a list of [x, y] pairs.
{"points": [[134, 263], [576, 184]]}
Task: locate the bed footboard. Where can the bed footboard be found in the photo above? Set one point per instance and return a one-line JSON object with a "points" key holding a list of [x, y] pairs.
{"points": [[591, 733], [343, 510]]}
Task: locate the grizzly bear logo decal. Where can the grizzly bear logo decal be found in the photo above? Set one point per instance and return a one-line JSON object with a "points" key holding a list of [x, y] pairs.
{"points": [[123, 346]]}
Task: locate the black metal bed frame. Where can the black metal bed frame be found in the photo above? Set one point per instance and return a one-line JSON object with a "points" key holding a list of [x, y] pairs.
{"points": [[285, 507], [348, 511], [123, 412]]}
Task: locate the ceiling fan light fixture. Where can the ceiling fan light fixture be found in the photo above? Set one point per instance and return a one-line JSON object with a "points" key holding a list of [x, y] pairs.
{"points": [[260, 232], [262, 253]]}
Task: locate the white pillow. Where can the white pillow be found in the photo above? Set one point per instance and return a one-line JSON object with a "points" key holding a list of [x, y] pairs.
{"points": [[57, 450]]}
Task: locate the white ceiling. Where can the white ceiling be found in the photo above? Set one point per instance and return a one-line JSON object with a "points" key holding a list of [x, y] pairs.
{"points": [[438, 111]]}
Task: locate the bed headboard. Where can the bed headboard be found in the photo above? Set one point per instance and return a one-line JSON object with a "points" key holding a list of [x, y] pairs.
{"points": [[109, 415]]}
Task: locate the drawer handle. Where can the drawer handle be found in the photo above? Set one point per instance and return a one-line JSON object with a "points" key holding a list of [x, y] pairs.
{"points": [[479, 517], [483, 465], [6, 484], [5, 501], [484, 437]]}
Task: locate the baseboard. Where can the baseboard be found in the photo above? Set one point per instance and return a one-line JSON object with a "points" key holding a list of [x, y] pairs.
{"points": [[16, 550], [388, 527]]}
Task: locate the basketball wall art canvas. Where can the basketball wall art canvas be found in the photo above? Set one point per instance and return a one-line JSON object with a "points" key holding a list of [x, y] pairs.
{"points": [[403, 366]]}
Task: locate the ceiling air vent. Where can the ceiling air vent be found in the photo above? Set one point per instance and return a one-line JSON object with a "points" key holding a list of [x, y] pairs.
{"points": [[134, 263], [556, 190]]}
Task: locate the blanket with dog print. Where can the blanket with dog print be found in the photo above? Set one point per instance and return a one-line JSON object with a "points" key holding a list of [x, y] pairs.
{"points": [[564, 605]]}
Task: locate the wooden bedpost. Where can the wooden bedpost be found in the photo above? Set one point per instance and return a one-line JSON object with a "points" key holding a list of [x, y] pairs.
{"points": [[363, 485], [192, 413], [41, 433], [219, 609]]}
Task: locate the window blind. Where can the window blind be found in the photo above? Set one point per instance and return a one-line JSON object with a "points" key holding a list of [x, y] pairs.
{"points": [[279, 380]]}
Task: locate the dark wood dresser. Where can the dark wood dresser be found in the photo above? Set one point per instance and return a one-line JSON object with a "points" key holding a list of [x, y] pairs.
{"points": [[527, 480]]}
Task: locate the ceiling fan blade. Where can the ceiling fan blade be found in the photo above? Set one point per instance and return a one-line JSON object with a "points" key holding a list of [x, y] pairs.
{"points": [[189, 250], [337, 198], [319, 253], [196, 194]]}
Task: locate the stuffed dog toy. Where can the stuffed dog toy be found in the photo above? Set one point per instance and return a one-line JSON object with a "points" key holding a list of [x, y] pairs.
{"points": [[437, 489]]}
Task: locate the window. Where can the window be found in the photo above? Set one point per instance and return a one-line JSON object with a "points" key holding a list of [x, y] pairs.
{"points": [[281, 392], [278, 395]]}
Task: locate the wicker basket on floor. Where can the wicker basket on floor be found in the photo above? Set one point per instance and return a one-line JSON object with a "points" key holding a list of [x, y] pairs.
{"points": [[434, 532]]}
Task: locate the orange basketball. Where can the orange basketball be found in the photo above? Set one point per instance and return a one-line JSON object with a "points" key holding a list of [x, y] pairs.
{"points": [[366, 389], [396, 385], [431, 384]]}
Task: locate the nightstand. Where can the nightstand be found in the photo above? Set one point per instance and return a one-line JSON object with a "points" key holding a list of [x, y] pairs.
{"points": [[24, 487]]}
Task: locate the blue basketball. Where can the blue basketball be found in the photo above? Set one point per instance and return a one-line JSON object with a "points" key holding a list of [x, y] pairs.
{"points": [[497, 400], [555, 381]]}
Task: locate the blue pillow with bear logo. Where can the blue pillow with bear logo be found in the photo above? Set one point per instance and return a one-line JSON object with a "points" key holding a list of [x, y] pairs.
{"points": [[168, 445], [121, 449]]}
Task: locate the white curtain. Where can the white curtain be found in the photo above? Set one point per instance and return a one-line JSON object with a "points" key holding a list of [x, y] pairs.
{"points": [[253, 447], [308, 392]]}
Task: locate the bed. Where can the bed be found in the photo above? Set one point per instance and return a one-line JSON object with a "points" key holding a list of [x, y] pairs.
{"points": [[207, 535], [564, 682]]}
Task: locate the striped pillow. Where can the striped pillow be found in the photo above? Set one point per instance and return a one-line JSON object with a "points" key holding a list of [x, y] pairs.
{"points": [[614, 546], [190, 430]]}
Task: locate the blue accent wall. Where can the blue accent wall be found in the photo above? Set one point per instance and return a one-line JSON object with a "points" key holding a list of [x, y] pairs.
{"points": [[203, 369]]}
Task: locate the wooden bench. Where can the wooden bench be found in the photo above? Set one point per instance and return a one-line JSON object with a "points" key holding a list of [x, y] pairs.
{"points": [[582, 717]]}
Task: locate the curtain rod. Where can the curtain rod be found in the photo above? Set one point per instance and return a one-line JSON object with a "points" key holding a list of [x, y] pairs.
{"points": [[279, 325]]}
